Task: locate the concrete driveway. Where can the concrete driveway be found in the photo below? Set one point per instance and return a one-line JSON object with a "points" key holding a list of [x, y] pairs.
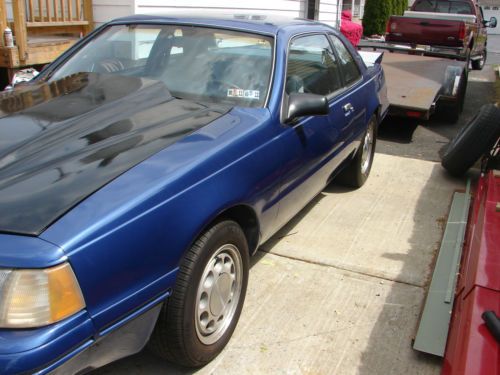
{"points": [[339, 290]]}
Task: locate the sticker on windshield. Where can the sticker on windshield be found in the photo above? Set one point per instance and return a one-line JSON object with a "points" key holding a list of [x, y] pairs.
{"points": [[247, 94]]}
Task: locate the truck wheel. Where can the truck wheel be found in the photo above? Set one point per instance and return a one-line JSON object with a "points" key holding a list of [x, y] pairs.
{"points": [[472, 141], [198, 319], [358, 170], [479, 63]]}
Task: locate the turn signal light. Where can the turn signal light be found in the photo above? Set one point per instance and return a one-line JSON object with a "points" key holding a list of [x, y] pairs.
{"points": [[34, 298]]}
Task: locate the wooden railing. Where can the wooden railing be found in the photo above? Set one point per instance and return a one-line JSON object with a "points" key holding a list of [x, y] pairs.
{"points": [[41, 16], [42, 13]]}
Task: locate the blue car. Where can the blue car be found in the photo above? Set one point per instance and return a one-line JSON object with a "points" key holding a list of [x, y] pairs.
{"points": [[141, 169]]}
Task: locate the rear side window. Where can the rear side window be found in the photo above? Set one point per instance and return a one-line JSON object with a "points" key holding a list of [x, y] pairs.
{"points": [[443, 6], [312, 66], [349, 68]]}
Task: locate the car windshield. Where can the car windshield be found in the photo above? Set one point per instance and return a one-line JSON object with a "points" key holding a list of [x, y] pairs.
{"points": [[196, 63], [443, 6]]}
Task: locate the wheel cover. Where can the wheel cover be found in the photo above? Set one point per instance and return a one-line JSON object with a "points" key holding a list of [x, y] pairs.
{"points": [[218, 294], [366, 156]]}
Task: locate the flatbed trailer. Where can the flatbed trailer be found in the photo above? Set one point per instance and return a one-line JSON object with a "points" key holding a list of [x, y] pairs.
{"points": [[418, 84]]}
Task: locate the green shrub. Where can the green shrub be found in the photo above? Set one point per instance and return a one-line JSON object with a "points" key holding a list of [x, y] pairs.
{"points": [[394, 7], [375, 17], [403, 5]]}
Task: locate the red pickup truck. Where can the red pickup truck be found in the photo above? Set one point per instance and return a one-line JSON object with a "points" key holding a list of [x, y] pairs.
{"points": [[456, 27]]}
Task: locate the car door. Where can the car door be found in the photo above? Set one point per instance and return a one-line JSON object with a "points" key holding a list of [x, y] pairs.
{"points": [[354, 96], [315, 145]]}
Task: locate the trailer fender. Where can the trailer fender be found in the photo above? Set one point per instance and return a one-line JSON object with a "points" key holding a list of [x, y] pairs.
{"points": [[452, 94], [453, 78]]}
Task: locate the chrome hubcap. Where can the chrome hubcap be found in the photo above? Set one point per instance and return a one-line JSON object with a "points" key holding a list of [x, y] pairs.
{"points": [[366, 156], [218, 294]]}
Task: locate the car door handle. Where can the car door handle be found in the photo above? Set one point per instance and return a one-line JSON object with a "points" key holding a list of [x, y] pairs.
{"points": [[348, 108]]}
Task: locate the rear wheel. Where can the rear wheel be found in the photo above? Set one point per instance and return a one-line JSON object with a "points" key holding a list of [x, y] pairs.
{"points": [[357, 172], [199, 318]]}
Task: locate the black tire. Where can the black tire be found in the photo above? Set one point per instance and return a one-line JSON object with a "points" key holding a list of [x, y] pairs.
{"points": [[479, 64], [178, 335], [472, 141], [358, 170]]}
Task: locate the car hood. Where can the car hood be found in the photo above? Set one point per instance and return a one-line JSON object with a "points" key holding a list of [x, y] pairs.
{"points": [[63, 140]]}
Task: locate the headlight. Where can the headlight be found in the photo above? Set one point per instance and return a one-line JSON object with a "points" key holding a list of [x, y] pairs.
{"points": [[37, 297]]}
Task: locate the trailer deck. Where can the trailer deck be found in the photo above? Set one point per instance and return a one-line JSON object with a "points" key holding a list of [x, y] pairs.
{"points": [[416, 81]]}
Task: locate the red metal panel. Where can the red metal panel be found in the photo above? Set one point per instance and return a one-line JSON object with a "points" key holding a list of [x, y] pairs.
{"points": [[483, 265], [471, 349]]}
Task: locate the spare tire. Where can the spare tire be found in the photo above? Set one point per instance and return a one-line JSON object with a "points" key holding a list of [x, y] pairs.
{"points": [[472, 141]]}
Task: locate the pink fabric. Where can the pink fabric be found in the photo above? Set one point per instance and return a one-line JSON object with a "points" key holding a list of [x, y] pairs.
{"points": [[351, 30]]}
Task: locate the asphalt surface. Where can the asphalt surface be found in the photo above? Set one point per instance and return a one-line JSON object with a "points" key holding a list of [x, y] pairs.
{"points": [[424, 139]]}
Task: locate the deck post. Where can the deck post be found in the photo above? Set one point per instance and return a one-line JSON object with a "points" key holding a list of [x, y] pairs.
{"points": [[88, 15], [19, 10], [3, 18]]}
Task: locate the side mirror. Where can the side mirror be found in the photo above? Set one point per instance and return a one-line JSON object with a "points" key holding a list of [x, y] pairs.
{"points": [[492, 22], [300, 104]]}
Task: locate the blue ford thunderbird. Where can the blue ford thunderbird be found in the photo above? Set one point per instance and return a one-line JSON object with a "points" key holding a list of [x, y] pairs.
{"points": [[141, 169]]}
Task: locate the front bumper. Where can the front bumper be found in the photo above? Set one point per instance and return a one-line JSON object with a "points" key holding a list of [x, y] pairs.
{"points": [[29, 350], [45, 350]]}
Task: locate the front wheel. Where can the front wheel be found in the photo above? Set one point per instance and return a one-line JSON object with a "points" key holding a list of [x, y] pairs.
{"points": [[357, 172], [197, 321]]}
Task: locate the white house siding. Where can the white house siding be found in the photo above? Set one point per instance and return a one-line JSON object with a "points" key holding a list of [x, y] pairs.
{"points": [[329, 11], [288, 8], [105, 10]]}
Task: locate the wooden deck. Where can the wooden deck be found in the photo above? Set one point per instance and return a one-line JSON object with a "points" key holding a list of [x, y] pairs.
{"points": [[43, 29], [41, 50]]}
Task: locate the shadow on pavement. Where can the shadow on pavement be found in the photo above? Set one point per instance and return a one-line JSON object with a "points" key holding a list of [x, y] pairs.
{"points": [[395, 129], [380, 355]]}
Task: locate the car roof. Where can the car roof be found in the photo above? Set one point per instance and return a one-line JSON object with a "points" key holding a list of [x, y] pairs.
{"points": [[252, 22]]}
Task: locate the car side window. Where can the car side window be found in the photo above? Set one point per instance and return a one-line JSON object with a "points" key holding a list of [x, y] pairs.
{"points": [[312, 66], [348, 66]]}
